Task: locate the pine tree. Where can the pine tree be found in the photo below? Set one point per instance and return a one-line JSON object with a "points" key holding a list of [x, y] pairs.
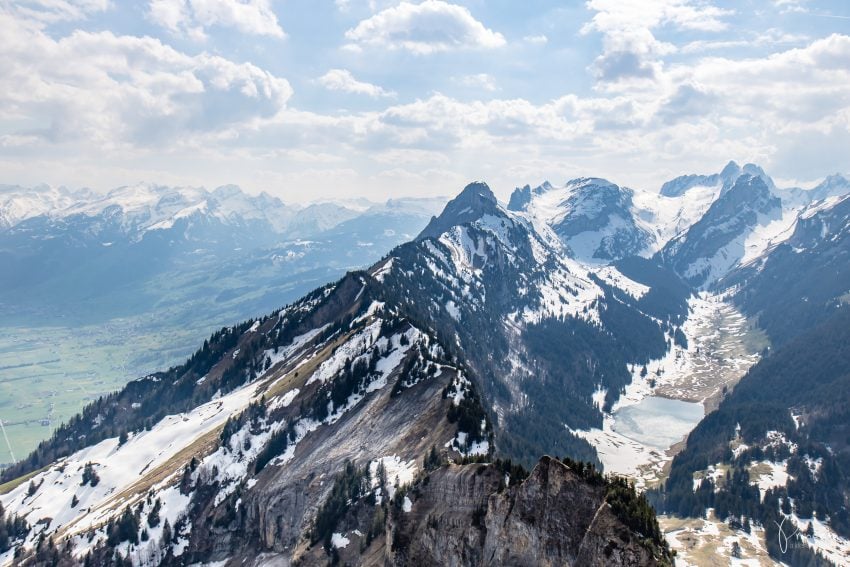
{"points": [[166, 535], [736, 550]]}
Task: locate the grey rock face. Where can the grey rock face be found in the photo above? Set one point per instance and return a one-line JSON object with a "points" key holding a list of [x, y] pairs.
{"points": [[465, 515]]}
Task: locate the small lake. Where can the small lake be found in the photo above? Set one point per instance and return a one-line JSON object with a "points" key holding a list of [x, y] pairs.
{"points": [[657, 422]]}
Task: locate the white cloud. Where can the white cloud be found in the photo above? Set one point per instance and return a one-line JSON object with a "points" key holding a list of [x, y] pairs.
{"points": [[539, 39], [122, 90], [795, 89], [193, 17], [630, 49], [429, 27], [478, 81], [343, 80], [791, 6], [91, 107]]}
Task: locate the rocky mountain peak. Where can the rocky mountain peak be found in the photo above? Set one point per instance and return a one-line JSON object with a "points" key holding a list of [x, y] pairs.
{"points": [[476, 190], [725, 179], [594, 217], [757, 171], [521, 196], [731, 170], [748, 191], [475, 201], [831, 186], [711, 247]]}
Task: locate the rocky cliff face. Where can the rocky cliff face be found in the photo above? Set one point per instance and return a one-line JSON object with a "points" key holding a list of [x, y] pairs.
{"points": [[464, 515]]}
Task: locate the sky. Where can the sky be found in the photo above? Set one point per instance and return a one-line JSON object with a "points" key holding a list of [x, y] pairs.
{"points": [[323, 99]]}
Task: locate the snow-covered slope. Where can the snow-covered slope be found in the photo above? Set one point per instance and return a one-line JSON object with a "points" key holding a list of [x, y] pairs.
{"points": [[739, 226], [146, 207], [386, 363], [272, 396], [600, 221], [496, 328], [596, 219]]}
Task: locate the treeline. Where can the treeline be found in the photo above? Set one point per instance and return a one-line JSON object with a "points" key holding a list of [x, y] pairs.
{"points": [[350, 485]]}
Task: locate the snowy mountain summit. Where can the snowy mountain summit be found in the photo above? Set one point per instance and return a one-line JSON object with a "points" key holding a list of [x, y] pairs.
{"points": [[475, 201], [724, 180], [596, 219]]}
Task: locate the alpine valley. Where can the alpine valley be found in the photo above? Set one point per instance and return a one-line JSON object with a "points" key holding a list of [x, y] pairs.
{"points": [[458, 401]]}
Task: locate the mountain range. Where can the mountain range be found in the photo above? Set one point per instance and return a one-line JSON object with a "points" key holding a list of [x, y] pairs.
{"points": [[401, 414], [64, 247]]}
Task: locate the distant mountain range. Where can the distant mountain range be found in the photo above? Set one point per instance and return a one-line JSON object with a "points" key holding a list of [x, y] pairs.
{"points": [[88, 258]]}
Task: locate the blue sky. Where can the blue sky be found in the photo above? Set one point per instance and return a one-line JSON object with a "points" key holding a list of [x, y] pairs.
{"points": [[380, 98]]}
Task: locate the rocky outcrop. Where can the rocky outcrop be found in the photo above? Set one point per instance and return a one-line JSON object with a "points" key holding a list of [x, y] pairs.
{"points": [[725, 179], [465, 515]]}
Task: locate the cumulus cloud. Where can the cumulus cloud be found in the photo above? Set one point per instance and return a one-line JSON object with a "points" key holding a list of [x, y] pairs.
{"points": [[709, 110], [343, 80], [193, 17], [429, 27], [122, 90], [630, 48], [794, 89]]}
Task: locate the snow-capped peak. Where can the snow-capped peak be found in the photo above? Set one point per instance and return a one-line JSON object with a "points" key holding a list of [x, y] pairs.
{"points": [[722, 181], [594, 217], [20, 203], [832, 186], [475, 201]]}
